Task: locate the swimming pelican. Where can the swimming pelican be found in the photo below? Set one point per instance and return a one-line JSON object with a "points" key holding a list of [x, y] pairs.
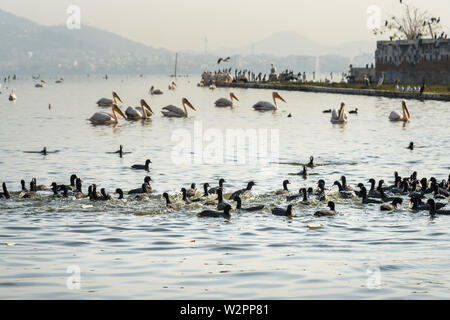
{"points": [[224, 102], [397, 116], [142, 112], [107, 118], [176, 112], [104, 102], [172, 86], [12, 96], [339, 116], [40, 85], [267, 106], [155, 91]]}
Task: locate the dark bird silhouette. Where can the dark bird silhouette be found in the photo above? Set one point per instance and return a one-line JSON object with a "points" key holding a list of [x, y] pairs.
{"points": [[433, 209], [411, 146], [327, 212], [145, 167], [239, 207], [242, 191], [168, 203], [282, 212], [223, 59], [5, 194], [217, 214]]}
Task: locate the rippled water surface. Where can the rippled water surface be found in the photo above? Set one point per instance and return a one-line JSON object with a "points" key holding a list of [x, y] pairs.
{"points": [[143, 250]]}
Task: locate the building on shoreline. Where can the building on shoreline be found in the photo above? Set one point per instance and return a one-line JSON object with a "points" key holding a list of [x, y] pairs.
{"points": [[414, 61], [358, 74]]}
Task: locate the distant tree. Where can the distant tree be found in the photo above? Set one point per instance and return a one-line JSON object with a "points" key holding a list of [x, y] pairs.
{"points": [[414, 24]]}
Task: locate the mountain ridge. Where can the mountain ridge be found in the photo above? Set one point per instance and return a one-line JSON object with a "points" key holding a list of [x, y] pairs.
{"points": [[35, 48]]}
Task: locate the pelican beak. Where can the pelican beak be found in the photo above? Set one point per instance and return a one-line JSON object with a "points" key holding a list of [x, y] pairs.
{"points": [[341, 111], [277, 96], [116, 108], [186, 101], [406, 109], [145, 105], [116, 96], [233, 96]]}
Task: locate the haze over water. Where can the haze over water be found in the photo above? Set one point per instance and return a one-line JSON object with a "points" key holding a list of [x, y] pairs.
{"points": [[142, 250]]}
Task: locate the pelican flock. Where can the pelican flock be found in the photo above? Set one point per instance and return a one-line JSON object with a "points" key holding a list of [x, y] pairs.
{"points": [[267, 106], [176, 112], [400, 116]]}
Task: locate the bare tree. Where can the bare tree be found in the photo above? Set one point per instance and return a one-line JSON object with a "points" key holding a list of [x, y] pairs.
{"points": [[414, 24]]}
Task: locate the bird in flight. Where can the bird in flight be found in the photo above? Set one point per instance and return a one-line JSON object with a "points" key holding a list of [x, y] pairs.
{"points": [[223, 59]]}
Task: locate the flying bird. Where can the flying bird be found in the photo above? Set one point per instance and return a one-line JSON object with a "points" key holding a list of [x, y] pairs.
{"points": [[223, 59]]}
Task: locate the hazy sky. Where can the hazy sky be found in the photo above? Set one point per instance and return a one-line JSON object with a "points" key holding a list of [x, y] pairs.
{"points": [[184, 24]]}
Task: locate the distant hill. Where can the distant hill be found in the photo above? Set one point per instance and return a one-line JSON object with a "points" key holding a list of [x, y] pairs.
{"points": [[292, 43], [31, 48], [36, 48]]}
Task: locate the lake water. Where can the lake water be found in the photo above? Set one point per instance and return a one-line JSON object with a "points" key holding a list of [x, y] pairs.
{"points": [[141, 250]]}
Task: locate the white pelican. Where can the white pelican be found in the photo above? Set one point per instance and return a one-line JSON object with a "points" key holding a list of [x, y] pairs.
{"points": [[107, 118], [12, 96], [224, 102], [172, 86], [40, 85], [142, 112], [267, 106], [172, 111], [155, 91], [398, 116], [104, 102], [339, 116]]}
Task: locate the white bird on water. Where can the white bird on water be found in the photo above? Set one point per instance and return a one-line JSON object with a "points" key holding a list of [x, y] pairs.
{"points": [[172, 111], [142, 112], [400, 116], [339, 116], [12, 96], [104, 102], [107, 118], [155, 91], [172, 86], [224, 102], [267, 106], [40, 85]]}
